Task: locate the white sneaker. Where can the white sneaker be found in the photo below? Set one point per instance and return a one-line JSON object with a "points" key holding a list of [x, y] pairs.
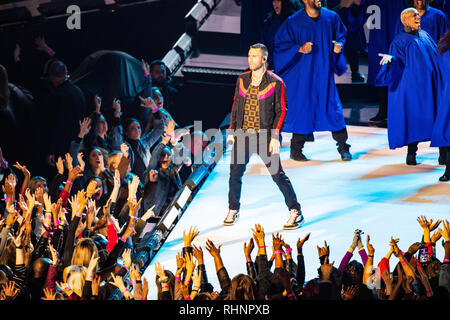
{"points": [[295, 220], [232, 217]]}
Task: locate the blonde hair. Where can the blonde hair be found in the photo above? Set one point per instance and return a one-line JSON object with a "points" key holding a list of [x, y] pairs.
{"points": [[3, 278], [76, 279], [406, 14], [83, 252], [112, 157], [8, 256]]}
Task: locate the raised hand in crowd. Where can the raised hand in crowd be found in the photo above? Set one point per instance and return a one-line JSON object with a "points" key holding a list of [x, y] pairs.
{"points": [[16, 53], [98, 103], [85, 127], [301, 242], [117, 108], [190, 236], [41, 45]]}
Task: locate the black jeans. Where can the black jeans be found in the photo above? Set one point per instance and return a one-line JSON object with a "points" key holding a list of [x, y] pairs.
{"points": [[445, 152], [298, 141], [240, 157], [382, 94], [353, 60]]}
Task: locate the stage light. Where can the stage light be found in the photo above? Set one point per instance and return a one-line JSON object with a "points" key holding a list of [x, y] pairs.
{"points": [[184, 45], [197, 15], [209, 3], [182, 197], [172, 60], [170, 217], [197, 176]]}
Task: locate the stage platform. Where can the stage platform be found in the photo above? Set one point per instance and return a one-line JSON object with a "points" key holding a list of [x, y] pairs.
{"points": [[376, 192]]}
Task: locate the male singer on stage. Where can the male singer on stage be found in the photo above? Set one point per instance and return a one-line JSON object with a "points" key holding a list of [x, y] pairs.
{"points": [[257, 118], [308, 52]]}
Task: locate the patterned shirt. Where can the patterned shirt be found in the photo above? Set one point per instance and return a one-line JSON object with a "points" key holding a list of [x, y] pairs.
{"points": [[251, 109]]}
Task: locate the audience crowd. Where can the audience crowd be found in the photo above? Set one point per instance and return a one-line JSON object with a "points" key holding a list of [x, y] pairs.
{"points": [[104, 180], [418, 274]]}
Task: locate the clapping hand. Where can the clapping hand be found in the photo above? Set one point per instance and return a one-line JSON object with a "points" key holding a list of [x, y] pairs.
{"points": [[395, 247]]}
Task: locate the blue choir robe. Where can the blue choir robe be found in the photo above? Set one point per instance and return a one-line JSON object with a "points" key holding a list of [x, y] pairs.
{"points": [[434, 22], [441, 128], [271, 26], [380, 39], [313, 100], [414, 82]]}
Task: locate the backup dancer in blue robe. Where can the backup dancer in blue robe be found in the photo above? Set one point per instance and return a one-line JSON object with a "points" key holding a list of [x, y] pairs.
{"points": [[282, 9], [308, 51], [381, 18], [441, 129], [432, 20], [414, 82]]}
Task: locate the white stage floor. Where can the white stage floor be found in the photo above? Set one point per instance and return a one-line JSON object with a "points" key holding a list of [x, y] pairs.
{"points": [[376, 192]]}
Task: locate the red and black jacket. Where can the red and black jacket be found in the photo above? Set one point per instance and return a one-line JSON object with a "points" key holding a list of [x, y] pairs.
{"points": [[272, 102]]}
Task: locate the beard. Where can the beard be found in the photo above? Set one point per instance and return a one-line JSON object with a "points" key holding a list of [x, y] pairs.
{"points": [[158, 83], [316, 6]]}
